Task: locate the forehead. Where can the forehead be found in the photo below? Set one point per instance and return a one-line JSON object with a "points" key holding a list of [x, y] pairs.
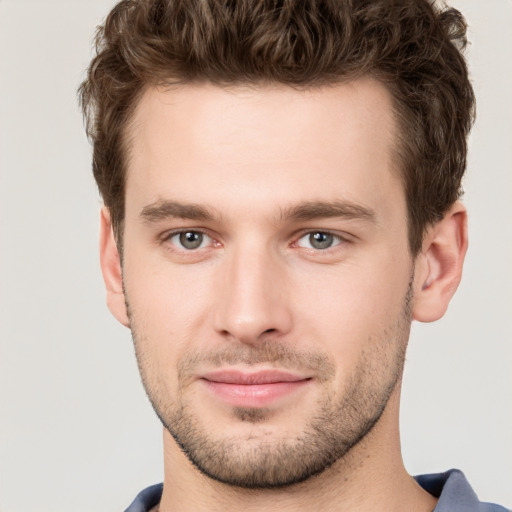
{"points": [[203, 143]]}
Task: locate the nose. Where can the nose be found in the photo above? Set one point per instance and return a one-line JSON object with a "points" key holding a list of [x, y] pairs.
{"points": [[252, 296]]}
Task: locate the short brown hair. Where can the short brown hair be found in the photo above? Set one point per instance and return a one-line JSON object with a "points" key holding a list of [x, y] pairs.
{"points": [[409, 45]]}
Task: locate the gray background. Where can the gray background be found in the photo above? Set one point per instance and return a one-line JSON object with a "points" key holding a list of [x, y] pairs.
{"points": [[76, 431]]}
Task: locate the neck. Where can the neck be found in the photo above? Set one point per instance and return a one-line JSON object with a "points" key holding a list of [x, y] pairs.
{"points": [[371, 477]]}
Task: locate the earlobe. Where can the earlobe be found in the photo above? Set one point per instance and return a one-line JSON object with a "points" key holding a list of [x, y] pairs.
{"points": [[438, 268], [111, 269]]}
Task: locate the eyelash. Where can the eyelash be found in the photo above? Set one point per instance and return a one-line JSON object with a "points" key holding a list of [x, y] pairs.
{"points": [[167, 238], [337, 238]]}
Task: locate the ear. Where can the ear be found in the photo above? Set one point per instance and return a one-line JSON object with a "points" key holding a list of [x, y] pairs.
{"points": [[438, 268], [111, 269]]}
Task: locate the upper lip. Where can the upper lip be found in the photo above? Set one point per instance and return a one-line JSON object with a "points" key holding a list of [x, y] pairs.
{"points": [[252, 378]]}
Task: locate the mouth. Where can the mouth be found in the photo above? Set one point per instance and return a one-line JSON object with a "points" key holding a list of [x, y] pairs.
{"points": [[253, 389]]}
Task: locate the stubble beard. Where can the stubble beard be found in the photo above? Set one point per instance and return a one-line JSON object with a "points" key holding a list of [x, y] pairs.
{"points": [[338, 425]]}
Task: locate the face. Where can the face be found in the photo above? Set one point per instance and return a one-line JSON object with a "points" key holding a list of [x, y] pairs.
{"points": [[266, 272]]}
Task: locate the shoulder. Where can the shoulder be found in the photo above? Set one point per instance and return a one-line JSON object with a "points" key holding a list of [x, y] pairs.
{"points": [[455, 493], [146, 499]]}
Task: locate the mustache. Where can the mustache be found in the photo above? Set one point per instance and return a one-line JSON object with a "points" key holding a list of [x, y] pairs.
{"points": [[267, 352]]}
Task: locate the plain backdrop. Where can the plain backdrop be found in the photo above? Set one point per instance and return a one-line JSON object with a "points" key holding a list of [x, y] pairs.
{"points": [[76, 431]]}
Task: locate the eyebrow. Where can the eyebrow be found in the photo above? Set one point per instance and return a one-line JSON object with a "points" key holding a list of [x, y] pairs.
{"points": [[321, 210], [161, 210], [164, 209]]}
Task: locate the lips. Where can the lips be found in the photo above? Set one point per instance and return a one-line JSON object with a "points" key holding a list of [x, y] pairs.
{"points": [[253, 389]]}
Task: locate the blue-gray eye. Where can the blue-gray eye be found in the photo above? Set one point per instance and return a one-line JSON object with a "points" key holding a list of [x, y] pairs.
{"points": [[318, 240], [190, 240]]}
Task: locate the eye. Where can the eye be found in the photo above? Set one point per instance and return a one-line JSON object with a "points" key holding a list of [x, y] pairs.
{"points": [[319, 240], [190, 240]]}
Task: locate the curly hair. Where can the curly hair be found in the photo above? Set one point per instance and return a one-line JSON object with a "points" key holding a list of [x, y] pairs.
{"points": [[411, 46]]}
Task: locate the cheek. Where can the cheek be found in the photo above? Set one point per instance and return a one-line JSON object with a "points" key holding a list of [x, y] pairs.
{"points": [[348, 309], [168, 310]]}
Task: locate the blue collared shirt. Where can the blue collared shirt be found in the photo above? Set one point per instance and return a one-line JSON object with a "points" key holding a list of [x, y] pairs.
{"points": [[453, 490]]}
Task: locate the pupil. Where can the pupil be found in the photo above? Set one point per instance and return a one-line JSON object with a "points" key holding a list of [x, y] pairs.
{"points": [[191, 239], [321, 240]]}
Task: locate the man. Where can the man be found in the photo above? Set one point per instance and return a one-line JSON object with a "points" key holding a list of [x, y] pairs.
{"points": [[280, 183]]}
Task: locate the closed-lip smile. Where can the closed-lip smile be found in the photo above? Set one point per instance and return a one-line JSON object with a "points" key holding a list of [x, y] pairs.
{"points": [[253, 389]]}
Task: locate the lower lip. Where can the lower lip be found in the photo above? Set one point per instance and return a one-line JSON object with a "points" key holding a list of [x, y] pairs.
{"points": [[254, 395]]}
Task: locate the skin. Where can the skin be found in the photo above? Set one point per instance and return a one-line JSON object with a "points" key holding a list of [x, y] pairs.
{"points": [[246, 165]]}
